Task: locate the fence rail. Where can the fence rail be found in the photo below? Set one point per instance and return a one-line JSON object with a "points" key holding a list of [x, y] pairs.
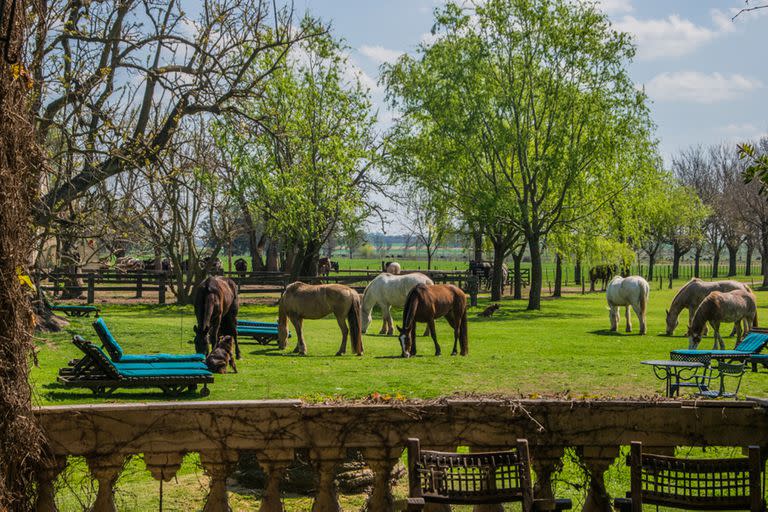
{"points": [[275, 431]]}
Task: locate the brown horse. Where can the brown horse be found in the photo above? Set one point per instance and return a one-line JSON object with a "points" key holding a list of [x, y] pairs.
{"points": [[300, 301], [216, 308], [425, 304], [735, 306]]}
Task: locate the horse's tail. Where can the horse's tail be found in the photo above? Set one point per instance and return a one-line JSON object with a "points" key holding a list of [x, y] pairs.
{"points": [[754, 320], [409, 309], [353, 317], [464, 339]]}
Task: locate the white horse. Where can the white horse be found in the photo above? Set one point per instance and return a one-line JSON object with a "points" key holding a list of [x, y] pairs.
{"points": [[385, 291], [627, 291], [394, 268]]}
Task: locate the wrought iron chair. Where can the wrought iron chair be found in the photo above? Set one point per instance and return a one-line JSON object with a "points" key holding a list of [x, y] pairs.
{"points": [[721, 373], [473, 478], [693, 484]]}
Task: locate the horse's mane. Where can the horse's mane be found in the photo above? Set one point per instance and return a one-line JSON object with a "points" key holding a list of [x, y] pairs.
{"points": [[684, 287], [407, 306]]}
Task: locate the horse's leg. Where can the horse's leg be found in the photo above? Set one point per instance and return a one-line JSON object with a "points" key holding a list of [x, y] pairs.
{"points": [[342, 321], [230, 328], [738, 329], [456, 325], [298, 324], [629, 318], [716, 336], [613, 314], [383, 307], [388, 326], [639, 318], [431, 326]]}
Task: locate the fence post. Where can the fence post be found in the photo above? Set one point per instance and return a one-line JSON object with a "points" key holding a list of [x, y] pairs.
{"points": [[670, 281], [139, 286], [161, 289], [91, 291], [472, 288]]}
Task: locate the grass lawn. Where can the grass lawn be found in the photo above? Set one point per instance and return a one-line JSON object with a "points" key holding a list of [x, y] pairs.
{"points": [[563, 349]]}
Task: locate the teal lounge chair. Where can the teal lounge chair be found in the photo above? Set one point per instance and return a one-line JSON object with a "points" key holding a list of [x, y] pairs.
{"points": [[97, 372], [262, 332], [750, 346], [117, 354]]}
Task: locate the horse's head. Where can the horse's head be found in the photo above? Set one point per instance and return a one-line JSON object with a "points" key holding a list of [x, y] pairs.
{"points": [[367, 319], [201, 339], [693, 340], [671, 323], [405, 341]]}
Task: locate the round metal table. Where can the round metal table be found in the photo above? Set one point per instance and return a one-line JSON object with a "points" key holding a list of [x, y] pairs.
{"points": [[667, 370]]}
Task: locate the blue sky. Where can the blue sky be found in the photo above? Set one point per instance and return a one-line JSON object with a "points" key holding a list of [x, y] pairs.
{"points": [[705, 74]]}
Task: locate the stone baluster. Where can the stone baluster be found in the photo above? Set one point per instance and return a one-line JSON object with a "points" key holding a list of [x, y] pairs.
{"points": [[324, 461], [597, 460], [273, 463], [218, 465], [382, 461], [105, 469], [546, 460], [46, 478]]}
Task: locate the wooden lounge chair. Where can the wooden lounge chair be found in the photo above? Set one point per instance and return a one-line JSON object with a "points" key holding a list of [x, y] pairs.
{"points": [[750, 346], [262, 332], [473, 478], [117, 354], [693, 484], [75, 310], [95, 371]]}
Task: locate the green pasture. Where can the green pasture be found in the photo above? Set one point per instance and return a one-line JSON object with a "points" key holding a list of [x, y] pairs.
{"points": [[564, 349]]}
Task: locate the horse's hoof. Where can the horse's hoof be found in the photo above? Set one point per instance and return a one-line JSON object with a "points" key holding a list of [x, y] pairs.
{"points": [[339, 353], [359, 354], [405, 355], [437, 354], [629, 330], [454, 353]]}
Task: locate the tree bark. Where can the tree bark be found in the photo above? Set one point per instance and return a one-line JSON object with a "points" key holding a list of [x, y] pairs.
{"points": [[497, 282], [477, 237], [677, 253], [558, 292], [696, 261], [715, 262], [577, 271], [651, 263], [748, 262], [534, 297], [517, 258], [733, 252], [273, 256]]}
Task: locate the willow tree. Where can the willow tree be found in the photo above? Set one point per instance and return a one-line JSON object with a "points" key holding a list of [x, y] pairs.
{"points": [[536, 94], [305, 171]]}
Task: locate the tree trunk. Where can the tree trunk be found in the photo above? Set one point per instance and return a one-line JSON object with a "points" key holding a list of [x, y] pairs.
{"points": [[429, 257], [558, 292], [764, 253], [715, 262], [70, 264], [497, 283], [477, 237], [733, 252], [517, 259], [577, 271], [309, 262], [696, 261], [651, 263], [534, 297], [678, 253], [273, 257], [158, 259], [748, 262]]}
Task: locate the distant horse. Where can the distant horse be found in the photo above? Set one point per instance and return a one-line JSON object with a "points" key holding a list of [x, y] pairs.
{"points": [[334, 266], [324, 266], [387, 290], [212, 265], [735, 306], [216, 306], [241, 266], [425, 304], [691, 295], [602, 273], [392, 267], [300, 301], [627, 291]]}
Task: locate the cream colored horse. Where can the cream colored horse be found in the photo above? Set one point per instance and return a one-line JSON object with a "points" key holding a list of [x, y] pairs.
{"points": [[387, 290], [690, 296], [627, 291], [735, 306], [300, 301]]}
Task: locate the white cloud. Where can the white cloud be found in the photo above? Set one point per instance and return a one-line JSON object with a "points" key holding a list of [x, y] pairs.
{"points": [[669, 37], [740, 132], [616, 6], [379, 54], [696, 87]]}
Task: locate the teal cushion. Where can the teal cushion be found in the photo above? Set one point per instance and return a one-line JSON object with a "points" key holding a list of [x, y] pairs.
{"points": [[253, 323], [164, 373], [689, 352], [109, 341], [753, 342], [161, 366], [255, 330], [161, 358], [67, 307], [759, 357]]}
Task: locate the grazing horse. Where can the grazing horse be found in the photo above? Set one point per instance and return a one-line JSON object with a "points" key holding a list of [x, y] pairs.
{"points": [[392, 267], [602, 273], [690, 296], [425, 304], [324, 266], [627, 291], [387, 290], [216, 306], [241, 266], [735, 306], [300, 301]]}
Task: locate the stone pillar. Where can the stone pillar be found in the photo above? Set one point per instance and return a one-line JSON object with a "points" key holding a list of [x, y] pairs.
{"points": [[105, 470], [218, 465], [324, 462], [545, 461], [46, 476], [597, 459], [382, 462], [273, 463]]}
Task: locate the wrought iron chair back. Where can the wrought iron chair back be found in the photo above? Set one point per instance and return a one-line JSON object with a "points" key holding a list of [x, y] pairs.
{"points": [[722, 373], [694, 484]]}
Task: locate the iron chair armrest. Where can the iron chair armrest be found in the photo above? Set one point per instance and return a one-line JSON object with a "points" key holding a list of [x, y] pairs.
{"points": [[555, 504]]}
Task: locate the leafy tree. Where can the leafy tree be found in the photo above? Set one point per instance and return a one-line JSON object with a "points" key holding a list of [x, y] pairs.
{"points": [[530, 95]]}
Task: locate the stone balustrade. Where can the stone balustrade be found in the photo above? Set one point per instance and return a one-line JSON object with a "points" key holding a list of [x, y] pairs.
{"points": [[219, 431]]}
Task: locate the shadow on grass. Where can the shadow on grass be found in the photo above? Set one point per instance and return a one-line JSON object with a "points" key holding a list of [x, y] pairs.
{"points": [[55, 392], [608, 332]]}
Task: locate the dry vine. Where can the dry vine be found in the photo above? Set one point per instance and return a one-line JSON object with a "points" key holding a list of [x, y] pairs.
{"points": [[20, 163]]}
